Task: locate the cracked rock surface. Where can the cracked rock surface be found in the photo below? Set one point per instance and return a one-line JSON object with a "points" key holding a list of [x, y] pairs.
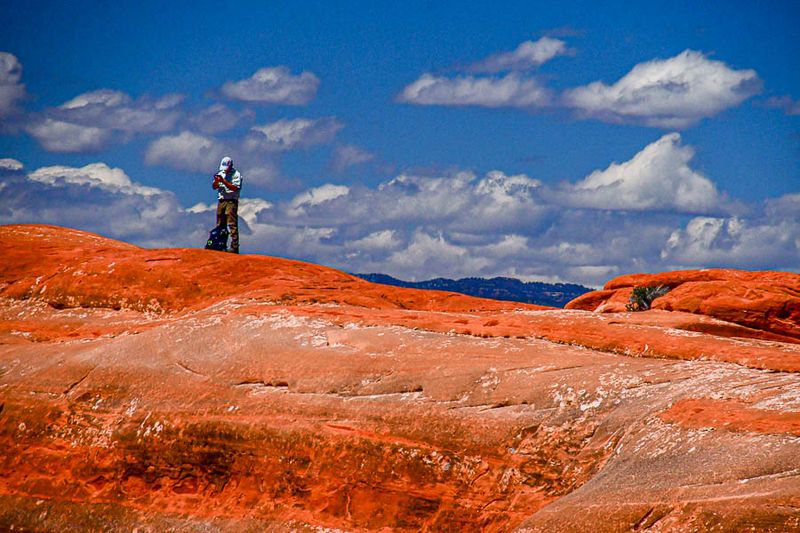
{"points": [[138, 394]]}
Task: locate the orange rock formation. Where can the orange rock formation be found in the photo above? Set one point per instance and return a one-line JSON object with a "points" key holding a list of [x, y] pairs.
{"points": [[767, 301], [142, 389]]}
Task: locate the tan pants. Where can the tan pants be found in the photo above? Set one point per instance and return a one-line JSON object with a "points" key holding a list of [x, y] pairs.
{"points": [[228, 214]]}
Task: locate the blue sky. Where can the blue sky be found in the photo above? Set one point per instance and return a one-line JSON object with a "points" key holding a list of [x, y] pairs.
{"points": [[559, 142]]}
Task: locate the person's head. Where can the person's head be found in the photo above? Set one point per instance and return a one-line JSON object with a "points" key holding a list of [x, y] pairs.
{"points": [[226, 165]]}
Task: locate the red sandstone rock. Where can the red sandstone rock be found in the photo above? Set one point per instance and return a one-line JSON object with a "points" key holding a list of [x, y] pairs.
{"points": [[69, 268], [306, 399], [768, 301], [731, 416]]}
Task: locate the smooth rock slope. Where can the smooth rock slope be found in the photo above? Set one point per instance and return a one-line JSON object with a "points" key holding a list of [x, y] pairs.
{"points": [[768, 301], [142, 389]]}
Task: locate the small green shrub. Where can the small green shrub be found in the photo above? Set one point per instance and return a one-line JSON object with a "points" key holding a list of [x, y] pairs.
{"points": [[642, 297]]}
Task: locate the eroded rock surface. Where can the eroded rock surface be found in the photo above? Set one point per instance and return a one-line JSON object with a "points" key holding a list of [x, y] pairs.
{"points": [[766, 301], [142, 393]]}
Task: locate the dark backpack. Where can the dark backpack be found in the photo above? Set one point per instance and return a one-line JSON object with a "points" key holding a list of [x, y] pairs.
{"points": [[218, 239]]}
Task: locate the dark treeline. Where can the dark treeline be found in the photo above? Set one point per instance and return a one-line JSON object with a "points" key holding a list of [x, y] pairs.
{"points": [[510, 289]]}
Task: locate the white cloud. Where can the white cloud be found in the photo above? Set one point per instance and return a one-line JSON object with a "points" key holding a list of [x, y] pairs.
{"points": [[435, 256], [379, 240], [97, 175], [60, 136], [201, 207], [573, 246], [11, 90], [104, 97], [286, 134], [104, 200], [347, 155], [249, 209], [422, 198], [526, 56], [515, 89], [90, 121], [258, 150], [460, 224], [784, 207], [8, 164], [315, 197], [459, 202], [455, 225], [505, 191], [186, 151], [218, 117], [275, 85], [508, 246], [512, 90], [116, 111], [769, 240], [266, 173], [669, 93], [656, 179]]}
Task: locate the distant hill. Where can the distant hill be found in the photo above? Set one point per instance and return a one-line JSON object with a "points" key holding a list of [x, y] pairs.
{"points": [[509, 289]]}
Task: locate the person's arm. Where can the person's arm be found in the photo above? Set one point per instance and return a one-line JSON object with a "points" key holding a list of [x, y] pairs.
{"points": [[220, 179]]}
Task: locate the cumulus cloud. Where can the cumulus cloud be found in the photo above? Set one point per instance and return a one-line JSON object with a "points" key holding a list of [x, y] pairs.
{"points": [[97, 175], [347, 155], [461, 202], [217, 118], [90, 121], [185, 151], [672, 93], [669, 93], [462, 224], [249, 208], [102, 97], [316, 196], [115, 110], [11, 88], [380, 240], [770, 239], [292, 134], [783, 207], [405, 226], [658, 178], [8, 164], [65, 137], [435, 256], [266, 173], [456, 224], [584, 246], [258, 150], [103, 200], [528, 55], [274, 85], [512, 90]]}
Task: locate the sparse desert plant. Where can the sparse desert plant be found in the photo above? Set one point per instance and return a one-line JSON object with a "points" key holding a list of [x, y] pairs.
{"points": [[642, 297]]}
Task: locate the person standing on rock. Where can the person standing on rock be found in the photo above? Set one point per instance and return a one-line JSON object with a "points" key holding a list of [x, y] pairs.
{"points": [[228, 184]]}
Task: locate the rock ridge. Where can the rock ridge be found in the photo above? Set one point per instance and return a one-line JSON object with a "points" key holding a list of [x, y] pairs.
{"points": [[137, 392]]}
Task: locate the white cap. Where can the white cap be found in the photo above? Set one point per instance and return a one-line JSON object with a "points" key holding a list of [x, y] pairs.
{"points": [[225, 163]]}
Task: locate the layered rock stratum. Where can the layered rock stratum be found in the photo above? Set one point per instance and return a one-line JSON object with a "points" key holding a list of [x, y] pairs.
{"points": [[190, 390], [765, 301]]}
